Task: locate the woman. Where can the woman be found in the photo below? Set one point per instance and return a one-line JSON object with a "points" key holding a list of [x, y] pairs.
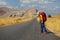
{"points": [[42, 18]]}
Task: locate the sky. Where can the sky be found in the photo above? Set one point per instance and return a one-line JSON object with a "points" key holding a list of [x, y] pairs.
{"points": [[49, 6]]}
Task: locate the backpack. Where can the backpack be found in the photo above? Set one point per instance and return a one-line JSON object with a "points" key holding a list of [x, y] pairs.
{"points": [[43, 16]]}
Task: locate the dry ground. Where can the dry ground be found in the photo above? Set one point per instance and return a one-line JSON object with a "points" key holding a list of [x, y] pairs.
{"points": [[12, 20], [53, 24]]}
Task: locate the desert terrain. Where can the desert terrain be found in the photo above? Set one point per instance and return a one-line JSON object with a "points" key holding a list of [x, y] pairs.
{"points": [[53, 24], [12, 16]]}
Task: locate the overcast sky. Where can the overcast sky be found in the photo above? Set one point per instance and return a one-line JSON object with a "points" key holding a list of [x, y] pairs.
{"points": [[49, 6]]}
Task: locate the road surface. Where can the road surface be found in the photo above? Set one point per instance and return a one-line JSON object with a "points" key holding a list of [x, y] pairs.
{"points": [[25, 31]]}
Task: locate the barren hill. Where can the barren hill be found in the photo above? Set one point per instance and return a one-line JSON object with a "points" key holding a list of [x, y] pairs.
{"points": [[7, 12], [4, 11], [31, 12]]}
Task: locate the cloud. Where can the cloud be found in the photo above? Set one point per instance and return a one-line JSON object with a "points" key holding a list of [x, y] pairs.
{"points": [[32, 5], [16, 7], [38, 1], [43, 7], [46, 1], [54, 8], [28, 1], [34, 0], [25, 1], [3, 3], [9, 6], [22, 5]]}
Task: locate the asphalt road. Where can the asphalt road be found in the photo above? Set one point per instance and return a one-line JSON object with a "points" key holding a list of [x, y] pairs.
{"points": [[25, 31]]}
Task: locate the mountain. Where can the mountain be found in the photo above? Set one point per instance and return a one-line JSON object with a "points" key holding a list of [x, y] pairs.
{"points": [[5, 12], [31, 12], [9, 12]]}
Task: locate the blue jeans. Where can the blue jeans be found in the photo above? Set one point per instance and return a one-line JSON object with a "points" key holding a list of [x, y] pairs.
{"points": [[42, 27]]}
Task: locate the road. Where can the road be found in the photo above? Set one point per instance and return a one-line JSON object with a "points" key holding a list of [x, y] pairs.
{"points": [[25, 31]]}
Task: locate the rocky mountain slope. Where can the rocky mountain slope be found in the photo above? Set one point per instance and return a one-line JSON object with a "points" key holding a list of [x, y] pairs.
{"points": [[8, 12]]}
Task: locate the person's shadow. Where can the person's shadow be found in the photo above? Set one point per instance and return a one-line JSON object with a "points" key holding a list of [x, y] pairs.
{"points": [[49, 32]]}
